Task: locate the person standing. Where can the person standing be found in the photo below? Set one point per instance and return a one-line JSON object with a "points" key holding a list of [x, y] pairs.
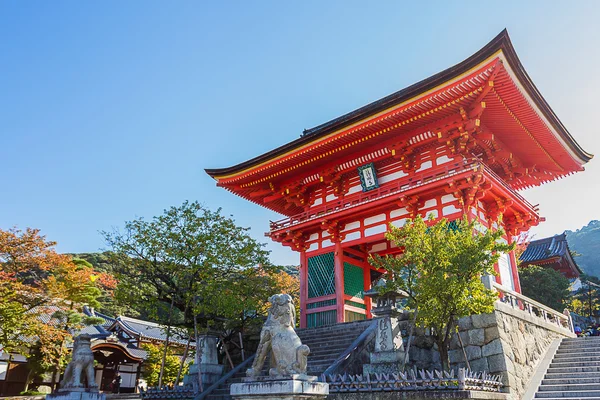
{"points": [[117, 383]]}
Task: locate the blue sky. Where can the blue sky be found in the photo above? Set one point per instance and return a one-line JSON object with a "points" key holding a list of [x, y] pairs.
{"points": [[111, 110]]}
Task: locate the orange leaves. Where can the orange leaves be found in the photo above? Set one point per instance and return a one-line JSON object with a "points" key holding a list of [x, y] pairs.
{"points": [[27, 251], [105, 281]]}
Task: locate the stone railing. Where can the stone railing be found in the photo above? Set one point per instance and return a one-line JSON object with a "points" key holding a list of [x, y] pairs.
{"points": [[415, 380], [530, 306]]}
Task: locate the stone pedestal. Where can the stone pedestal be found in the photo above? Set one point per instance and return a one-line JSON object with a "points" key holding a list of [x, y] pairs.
{"points": [[209, 367], [293, 388], [74, 394], [388, 355]]}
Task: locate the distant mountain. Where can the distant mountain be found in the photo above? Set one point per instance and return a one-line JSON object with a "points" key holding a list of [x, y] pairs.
{"points": [[586, 241]]}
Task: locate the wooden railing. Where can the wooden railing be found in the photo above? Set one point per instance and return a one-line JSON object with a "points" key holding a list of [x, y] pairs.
{"points": [[389, 189], [530, 306], [397, 187]]}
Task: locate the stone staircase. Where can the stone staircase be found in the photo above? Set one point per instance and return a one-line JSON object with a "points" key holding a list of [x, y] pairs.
{"points": [[574, 372], [326, 344]]}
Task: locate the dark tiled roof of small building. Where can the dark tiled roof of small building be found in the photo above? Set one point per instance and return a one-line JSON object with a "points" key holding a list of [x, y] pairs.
{"points": [[542, 249], [555, 247], [152, 330]]}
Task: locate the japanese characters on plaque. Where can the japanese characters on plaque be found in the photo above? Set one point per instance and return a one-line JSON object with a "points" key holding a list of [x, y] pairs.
{"points": [[368, 177]]}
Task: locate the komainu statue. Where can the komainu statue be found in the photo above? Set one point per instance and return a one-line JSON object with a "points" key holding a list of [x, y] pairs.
{"points": [[288, 354], [82, 362]]}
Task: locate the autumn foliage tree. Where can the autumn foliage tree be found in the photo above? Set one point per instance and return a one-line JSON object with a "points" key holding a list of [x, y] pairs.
{"points": [[36, 281]]}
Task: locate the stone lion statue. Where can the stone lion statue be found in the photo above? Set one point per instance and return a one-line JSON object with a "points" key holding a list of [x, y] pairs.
{"points": [[288, 354], [82, 362]]}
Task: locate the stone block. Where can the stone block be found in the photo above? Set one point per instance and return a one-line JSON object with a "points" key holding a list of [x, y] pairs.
{"points": [[386, 357], [464, 324], [455, 343], [491, 333], [284, 389], [473, 352], [479, 365], [476, 337], [382, 368], [496, 363], [484, 320], [456, 356], [510, 366], [494, 347]]}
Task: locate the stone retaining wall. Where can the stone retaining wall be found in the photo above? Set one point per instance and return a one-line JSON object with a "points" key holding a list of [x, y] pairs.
{"points": [[509, 342]]}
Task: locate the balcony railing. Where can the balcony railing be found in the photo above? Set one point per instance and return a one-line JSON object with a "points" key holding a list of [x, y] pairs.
{"points": [[394, 188], [530, 306]]}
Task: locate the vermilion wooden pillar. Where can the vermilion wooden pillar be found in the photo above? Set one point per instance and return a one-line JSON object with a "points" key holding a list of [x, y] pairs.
{"points": [[303, 287], [513, 266], [339, 280], [367, 285]]}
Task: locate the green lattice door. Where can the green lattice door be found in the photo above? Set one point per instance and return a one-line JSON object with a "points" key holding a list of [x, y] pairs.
{"points": [[321, 279]]}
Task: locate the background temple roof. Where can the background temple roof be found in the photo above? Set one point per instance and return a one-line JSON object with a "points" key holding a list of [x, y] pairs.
{"points": [[548, 248]]}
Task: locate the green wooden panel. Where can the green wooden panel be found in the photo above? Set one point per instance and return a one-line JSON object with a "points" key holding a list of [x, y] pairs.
{"points": [[353, 316], [320, 304], [354, 281], [355, 304], [321, 318], [321, 280]]}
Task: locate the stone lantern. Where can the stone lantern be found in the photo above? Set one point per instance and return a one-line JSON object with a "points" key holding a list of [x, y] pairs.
{"points": [[388, 356]]}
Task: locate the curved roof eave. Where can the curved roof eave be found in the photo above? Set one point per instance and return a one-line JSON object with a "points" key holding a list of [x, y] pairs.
{"points": [[500, 42]]}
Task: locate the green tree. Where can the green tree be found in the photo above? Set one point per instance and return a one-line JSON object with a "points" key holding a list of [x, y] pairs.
{"points": [[588, 296], [441, 267], [152, 364], [545, 285], [195, 263]]}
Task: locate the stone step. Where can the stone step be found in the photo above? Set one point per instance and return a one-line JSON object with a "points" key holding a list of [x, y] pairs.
{"points": [[572, 369], [558, 394], [327, 342], [572, 381], [575, 352], [330, 346], [575, 358], [570, 388], [572, 375], [564, 345], [563, 349], [572, 398], [575, 362]]}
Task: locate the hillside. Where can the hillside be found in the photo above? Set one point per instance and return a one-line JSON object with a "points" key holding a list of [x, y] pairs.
{"points": [[586, 241]]}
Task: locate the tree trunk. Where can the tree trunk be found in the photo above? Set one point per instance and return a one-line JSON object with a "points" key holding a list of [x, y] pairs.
{"points": [[198, 356], [164, 356], [185, 353], [443, 349], [410, 335], [462, 346], [28, 380]]}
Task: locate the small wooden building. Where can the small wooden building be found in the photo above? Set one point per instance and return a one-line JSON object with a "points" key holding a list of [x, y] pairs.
{"points": [[552, 252], [116, 344]]}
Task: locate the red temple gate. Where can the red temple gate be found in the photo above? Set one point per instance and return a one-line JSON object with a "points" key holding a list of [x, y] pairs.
{"points": [[460, 142]]}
